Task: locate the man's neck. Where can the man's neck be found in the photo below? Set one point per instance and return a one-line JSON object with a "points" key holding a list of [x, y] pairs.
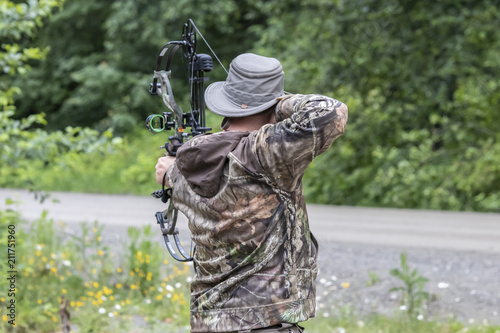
{"points": [[250, 123]]}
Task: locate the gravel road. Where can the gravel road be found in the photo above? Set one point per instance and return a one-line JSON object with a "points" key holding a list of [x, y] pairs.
{"points": [[458, 252]]}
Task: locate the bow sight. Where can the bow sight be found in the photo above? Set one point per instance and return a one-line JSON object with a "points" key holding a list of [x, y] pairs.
{"points": [[198, 64], [176, 119]]}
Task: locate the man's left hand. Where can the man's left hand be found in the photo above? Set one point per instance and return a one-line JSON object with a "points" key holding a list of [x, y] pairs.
{"points": [[164, 163]]}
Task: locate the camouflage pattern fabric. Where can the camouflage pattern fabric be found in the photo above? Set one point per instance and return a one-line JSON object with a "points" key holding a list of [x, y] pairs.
{"points": [[255, 255]]}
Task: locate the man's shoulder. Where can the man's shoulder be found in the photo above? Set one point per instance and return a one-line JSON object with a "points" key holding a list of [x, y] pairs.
{"points": [[217, 138]]}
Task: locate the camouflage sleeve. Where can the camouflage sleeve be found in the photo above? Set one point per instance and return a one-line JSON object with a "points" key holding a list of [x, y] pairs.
{"points": [[309, 124]]}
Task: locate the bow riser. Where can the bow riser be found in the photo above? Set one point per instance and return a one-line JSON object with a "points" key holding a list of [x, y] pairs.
{"points": [[176, 119]]}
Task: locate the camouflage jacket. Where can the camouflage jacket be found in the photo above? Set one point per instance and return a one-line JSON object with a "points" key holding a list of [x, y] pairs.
{"points": [[242, 194]]}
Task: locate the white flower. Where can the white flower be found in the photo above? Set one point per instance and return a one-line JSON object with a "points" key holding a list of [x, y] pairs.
{"points": [[443, 285], [322, 281], [178, 285], [104, 298], [403, 308], [160, 289], [333, 277], [169, 295], [66, 263], [38, 247], [111, 315], [189, 279], [102, 310], [361, 323], [169, 288], [147, 301], [117, 306], [420, 317]]}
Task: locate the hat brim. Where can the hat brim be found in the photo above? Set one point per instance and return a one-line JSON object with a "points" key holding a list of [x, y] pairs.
{"points": [[219, 104]]}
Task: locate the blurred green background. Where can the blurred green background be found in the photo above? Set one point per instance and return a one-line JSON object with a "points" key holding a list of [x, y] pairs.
{"points": [[420, 80]]}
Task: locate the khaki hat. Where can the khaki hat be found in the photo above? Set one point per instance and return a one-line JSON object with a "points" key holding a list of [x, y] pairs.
{"points": [[252, 86]]}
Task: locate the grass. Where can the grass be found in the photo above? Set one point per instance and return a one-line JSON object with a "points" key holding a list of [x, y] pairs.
{"points": [[135, 287], [108, 288]]}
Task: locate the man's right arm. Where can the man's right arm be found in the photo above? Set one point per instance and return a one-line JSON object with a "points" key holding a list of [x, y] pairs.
{"points": [[307, 126]]}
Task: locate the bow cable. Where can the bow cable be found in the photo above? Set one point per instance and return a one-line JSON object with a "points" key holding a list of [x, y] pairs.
{"points": [[198, 31]]}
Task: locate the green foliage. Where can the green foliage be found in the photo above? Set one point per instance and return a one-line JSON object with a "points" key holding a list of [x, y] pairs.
{"points": [[421, 86], [19, 21], [24, 146], [373, 278], [413, 294], [106, 286], [102, 80], [99, 165], [26, 153], [420, 82]]}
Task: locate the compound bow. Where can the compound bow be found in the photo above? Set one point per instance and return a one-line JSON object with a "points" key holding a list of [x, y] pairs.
{"points": [[198, 64]]}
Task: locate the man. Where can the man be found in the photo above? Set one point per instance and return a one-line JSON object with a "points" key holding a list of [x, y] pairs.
{"points": [[241, 190]]}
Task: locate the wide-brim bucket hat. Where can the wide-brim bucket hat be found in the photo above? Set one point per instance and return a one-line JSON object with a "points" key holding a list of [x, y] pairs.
{"points": [[253, 85]]}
